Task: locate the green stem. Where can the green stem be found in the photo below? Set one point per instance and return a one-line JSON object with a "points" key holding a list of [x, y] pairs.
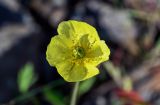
{"points": [[74, 94]]}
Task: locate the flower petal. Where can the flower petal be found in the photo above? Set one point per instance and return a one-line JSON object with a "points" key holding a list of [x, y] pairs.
{"points": [[72, 72], [98, 53], [58, 50], [75, 29], [86, 41], [91, 71]]}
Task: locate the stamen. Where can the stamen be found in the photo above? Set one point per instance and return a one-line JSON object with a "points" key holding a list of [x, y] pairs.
{"points": [[79, 52]]}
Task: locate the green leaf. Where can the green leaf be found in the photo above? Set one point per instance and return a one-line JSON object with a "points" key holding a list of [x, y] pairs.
{"points": [[54, 97], [158, 44], [86, 85], [26, 78]]}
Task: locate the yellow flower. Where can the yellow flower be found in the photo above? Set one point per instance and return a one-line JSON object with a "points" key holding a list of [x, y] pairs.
{"points": [[76, 51]]}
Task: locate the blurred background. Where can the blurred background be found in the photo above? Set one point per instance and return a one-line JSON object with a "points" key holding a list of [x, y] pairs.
{"points": [[131, 29]]}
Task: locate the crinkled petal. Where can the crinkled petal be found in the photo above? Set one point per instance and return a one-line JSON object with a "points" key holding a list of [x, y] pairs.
{"points": [[75, 29], [64, 69], [91, 71], [58, 50], [86, 41], [98, 53], [72, 72]]}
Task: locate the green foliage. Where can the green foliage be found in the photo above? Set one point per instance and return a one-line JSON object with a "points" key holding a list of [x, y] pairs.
{"points": [[26, 78], [54, 97], [86, 85], [158, 44]]}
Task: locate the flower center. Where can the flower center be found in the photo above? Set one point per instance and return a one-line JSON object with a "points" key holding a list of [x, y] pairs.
{"points": [[79, 52]]}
